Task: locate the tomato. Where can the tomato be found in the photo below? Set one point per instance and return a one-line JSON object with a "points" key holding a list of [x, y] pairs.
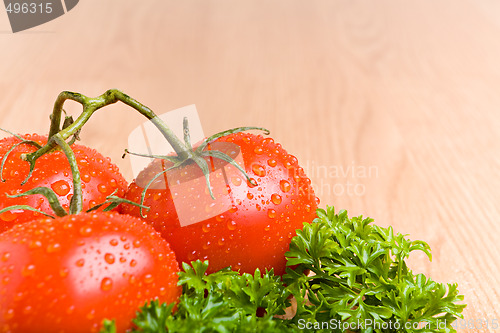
{"points": [[68, 274], [99, 177], [255, 230]]}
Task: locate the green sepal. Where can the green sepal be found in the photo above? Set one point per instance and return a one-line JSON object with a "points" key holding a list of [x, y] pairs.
{"points": [[47, 193]]}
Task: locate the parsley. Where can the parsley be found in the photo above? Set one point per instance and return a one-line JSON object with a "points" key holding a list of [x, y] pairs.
{"points": [[348, 276]]}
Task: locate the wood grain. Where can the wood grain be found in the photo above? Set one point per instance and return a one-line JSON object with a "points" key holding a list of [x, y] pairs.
{"points": [[392, 106]]}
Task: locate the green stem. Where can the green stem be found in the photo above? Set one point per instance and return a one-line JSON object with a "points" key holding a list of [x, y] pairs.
{"points": [[90, 105], [76, 204]]}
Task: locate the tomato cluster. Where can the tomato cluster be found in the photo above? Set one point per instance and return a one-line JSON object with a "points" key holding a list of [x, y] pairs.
{"points": [[68, 273]]}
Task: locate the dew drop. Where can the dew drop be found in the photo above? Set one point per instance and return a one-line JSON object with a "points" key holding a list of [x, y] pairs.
{"points": [[109, 258], [61, 187], [308, 208], [80, 262], [53, 247], [85, 177], [106, 284], [236, 181], [249, 195], [231, 225], [136, 243], [28, 270], [102, 188], [259, 170], [9, 314], [258, 150], [206, 227], [276, 199], [285, 185], [63, 272], [7, 216], [133, 263], [271, 213], [148, 278], [5, 256], [113, 242], [272, 162], [85, 230]]}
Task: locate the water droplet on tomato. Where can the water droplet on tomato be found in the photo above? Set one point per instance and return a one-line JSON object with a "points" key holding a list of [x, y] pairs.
{"points": [[80, 262], [91, 314], [9, 314], [27, 309], [206, 227], [5, 256], [308, 208], [271, 213], [113, 242], [133, 263], [109, 258], [106, 284], [267, 227], [85, 177], [54, 247], [137, 243], [70, 309], [285, 185], [28, 270], [85, 230], [258, 150], [236, 181], [231, 225], [272, 162], [61, 187], [8, 216], [249, 195], [103, 188], [220, 242], [259, 170], [276, 199], [148, 278], [257, 206], [63, 272]]}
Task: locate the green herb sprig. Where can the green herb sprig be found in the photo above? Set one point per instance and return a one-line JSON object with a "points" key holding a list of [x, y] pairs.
{"points": [[345, 274]]}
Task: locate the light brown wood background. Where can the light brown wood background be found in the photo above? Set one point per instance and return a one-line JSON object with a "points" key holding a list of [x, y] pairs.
{"points": [[407, 92]]}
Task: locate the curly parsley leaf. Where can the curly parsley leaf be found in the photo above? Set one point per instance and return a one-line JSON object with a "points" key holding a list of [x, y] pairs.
{"points": [[343, 272], [359, 275]]}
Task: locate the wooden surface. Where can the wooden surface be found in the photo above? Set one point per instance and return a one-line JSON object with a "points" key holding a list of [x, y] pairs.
{"points": [[393, 107]]}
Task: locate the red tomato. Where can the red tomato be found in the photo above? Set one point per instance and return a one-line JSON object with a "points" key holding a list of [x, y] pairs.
{"points": [[99, 179], [255, 231], [68, 274]]}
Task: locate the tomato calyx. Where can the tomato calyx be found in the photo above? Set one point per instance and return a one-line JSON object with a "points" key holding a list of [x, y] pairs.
{"points": [[197, 155], [11, 149]]}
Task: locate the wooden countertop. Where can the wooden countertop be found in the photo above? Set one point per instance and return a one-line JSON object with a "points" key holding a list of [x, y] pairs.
{"points": [[393, 107]]}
